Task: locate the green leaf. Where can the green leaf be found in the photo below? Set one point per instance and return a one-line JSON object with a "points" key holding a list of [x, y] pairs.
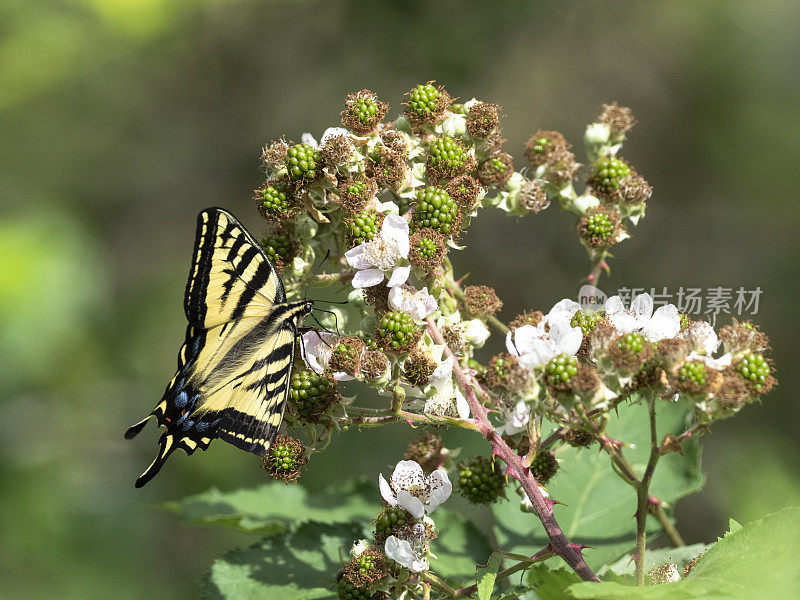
{"points": [[679, 556], [752, 562], [459, 547], [599, 505], [734, 526], [271, 508], [295, 566], [551, 584], [486, 577]]}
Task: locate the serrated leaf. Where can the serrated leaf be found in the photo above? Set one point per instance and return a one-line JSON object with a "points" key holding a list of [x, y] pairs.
{"points": [[733, 526], [758, 560], [295, 566], [599, 505], [487, 575], [551, 584], [459, 547], [271, 508]]}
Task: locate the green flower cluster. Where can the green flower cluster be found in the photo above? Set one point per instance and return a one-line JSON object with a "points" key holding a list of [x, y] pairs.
{"points": [[301, 162], [480, 480], [754, 368], [609, 171], [275, 199], [397, 330], [435, 209], [363, 227], [694, 372], [560, 369], [631, 342]]}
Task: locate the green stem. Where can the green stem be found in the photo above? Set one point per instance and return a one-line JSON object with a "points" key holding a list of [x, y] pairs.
{"points": [[438, 583], [643, 497], [506, 573]]}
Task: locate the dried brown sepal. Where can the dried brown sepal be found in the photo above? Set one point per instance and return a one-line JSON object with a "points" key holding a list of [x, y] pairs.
{"points": [[285, 459], [361, 577], [482, 300], [743, 335], [358, 125], [418, 368], [542, 146], [618, 118], [427, 249], [497, 169], [582, 383], [427, 451], [634, 189], [670, 443], [713, 383], [454, 338], [483, 119], [651, 376], [533, 196], [273, 156], [337, 150], [578, 437], [389, 170], [599, 240], [672, 351], [378, 297], [465, 190], [393, 139], [561, 167], [733, 392], [355, 193], [346, 355], [529, 317], [505, 372], [628, 359], [373, 365]]}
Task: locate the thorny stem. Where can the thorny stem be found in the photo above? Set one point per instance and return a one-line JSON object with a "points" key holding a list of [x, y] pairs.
{"points": [[599, 265], [376, 416], [517, 468], [643, 497], [670, 529]]}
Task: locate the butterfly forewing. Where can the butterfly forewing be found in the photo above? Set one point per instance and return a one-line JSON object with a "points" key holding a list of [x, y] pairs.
{"points": [[235, 364]]}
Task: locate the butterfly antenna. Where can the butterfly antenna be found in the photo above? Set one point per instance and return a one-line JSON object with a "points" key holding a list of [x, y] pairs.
{"points": [[319, 266]]}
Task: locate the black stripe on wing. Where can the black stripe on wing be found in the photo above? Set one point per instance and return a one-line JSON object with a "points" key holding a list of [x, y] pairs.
{"points": [[223, 246]]}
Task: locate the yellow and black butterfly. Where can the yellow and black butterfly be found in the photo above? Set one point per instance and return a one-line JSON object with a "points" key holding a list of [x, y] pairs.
{"points": [[235, 366]]}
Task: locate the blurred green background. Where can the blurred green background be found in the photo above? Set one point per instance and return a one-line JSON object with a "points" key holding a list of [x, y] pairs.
{"points": [[120, 119]]}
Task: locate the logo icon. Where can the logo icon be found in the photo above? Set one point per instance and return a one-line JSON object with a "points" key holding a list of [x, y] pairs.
{"points": [[591, 299]]}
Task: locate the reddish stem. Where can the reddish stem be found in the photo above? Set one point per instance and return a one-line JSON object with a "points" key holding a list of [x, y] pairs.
{"points": [[516, 466]]}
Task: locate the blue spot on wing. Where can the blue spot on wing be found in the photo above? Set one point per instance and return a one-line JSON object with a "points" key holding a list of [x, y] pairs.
{"points": [[181, 399]]}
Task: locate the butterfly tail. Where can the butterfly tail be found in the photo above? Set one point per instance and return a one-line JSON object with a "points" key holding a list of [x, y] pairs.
{"points": [[134, 430], [166, 446]]}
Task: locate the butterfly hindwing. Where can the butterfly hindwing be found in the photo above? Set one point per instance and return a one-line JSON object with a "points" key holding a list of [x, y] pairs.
{"points": [[235, 364]]}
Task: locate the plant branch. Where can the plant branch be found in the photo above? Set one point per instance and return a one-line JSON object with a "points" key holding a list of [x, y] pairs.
{"points": [[517, 468], [541, 555], [643, 497]]}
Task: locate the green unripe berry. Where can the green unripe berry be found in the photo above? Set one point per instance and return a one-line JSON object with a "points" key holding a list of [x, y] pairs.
{"points": [[631, 342], [560, 369], [754, 369], [544, 466], [282, 457], [586, 321], [310, 393], [541, 146], [275, 199], [599, 225], [609, 171], [363, 227], [423, 100], [458, 108], [498, 165], [446, 157], [391, 520], [277, 247], [397, 330], [481, 480], [427, 248], [693, 372], [435, 209], [348, 591], [364, 109], [301, 162]]}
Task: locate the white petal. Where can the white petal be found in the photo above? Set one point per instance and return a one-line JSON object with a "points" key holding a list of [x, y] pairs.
{"points": [[355, 257], [419, 564], [395, 229], [462, 406], [309, 139], [567, 339], [540, 353], [442, 373], [407, 470], [367, 278], [523, 339], [411, 503], [399, 276], [521, 415], [441, 488], [565, 308], [386, 491], [476, 333], [624, 323], [665, 323], [614, 305], [399, 551], [718, 364], [642, 306]]}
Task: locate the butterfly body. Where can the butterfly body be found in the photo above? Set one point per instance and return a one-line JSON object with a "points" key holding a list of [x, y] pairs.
{"points": [[235, 364]]}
